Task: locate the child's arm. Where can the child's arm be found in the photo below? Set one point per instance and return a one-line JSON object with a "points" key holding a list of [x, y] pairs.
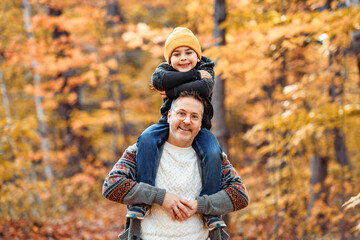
{"points": [[165, 77], [201, 79], [203, 87]]}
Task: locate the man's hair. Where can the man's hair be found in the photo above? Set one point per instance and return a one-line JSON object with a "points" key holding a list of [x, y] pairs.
{"points": [[192, 94]]}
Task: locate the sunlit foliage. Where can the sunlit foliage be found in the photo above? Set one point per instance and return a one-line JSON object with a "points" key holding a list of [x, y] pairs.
{"points": [[292, 87]]}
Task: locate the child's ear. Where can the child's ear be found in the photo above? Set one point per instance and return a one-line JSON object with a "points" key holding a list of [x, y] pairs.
{"points": [[198, 59]]}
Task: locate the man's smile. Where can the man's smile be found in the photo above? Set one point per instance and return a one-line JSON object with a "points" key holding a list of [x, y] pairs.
{"points": [[185, 129]]}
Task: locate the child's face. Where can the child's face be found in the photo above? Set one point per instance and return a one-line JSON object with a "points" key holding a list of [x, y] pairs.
{"points": [[183, 59]]}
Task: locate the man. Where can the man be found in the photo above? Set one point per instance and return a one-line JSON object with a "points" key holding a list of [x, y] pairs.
{"points": [[176, 208]]}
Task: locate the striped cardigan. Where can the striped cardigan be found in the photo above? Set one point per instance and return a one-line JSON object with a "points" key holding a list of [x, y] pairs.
{"points": [[120, 186]]}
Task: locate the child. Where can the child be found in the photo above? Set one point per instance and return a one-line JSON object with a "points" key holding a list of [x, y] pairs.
{"points": [[185, 70]]}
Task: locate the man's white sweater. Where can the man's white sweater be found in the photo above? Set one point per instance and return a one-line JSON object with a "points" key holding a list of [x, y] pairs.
{"points": [[179, 174]]}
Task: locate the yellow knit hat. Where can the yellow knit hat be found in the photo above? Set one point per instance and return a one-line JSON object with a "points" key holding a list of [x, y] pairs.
{"points": [[181, 37]]}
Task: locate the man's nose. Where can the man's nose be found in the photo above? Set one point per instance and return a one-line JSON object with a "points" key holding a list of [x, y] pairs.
{"points": [[187, 119]]}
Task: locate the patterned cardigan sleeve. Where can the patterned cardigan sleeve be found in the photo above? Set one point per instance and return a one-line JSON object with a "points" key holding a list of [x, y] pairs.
{"points": [[232, 196], [233, 185], [121, 178], [120, 184]]}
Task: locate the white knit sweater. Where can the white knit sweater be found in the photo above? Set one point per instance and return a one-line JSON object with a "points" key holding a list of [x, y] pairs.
{"points": [[178, 173]]}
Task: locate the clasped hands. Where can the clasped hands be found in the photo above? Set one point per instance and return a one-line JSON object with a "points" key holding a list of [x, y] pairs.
{"points": [[179, 208]]}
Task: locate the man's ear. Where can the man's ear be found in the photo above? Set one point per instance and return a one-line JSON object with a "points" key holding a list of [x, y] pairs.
{"points": [[168, 116]]}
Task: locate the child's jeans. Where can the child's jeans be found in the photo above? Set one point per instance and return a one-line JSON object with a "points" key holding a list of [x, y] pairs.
{"points": [[206, 146]]}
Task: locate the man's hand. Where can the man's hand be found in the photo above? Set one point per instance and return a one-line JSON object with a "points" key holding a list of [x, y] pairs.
{"points": [[194, 208], [204, 74], [162, 93], [179, 208]]}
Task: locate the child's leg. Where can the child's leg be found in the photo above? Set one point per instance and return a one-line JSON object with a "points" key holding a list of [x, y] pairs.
{"points": [[210, 152], [137, 211], [146, 161], [147, 153]]}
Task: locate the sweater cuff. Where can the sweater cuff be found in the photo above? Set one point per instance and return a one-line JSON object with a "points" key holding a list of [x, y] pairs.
{"points": [[201, 205], [160, 196]]}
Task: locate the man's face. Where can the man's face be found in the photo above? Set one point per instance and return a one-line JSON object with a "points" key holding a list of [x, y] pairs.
{"points": [[183, 59], [185, 121]]}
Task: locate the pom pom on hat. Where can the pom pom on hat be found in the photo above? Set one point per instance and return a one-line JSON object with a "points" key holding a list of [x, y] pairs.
{"points": [[181, 37]]}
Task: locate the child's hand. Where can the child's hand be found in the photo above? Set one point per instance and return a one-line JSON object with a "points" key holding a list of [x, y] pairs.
{"points": [[162, 93], [204, 74]]}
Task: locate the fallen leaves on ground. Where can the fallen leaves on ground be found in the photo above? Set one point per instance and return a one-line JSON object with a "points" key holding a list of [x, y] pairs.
{"points": [[103, 221]]}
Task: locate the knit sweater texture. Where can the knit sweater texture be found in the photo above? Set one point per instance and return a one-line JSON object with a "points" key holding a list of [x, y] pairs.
{"points": [[186, 183]]}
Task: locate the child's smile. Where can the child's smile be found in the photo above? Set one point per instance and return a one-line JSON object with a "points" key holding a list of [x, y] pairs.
{"points": [[183, 59]]}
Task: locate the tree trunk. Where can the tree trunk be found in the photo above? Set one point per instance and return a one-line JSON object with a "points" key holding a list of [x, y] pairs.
{"points": [[72, 140], [340, 148], [339, 141], [355, 43], [318, 174], [112, 10], [115, 18], [327, 4], [7, 109], [220, 128], [44, 143]]}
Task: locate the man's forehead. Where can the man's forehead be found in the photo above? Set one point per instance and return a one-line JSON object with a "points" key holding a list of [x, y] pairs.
{"points": [[189, 104], [178, 109]]}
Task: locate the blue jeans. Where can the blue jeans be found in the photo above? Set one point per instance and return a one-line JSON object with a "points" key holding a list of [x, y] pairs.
{"points": [[205, 144]]}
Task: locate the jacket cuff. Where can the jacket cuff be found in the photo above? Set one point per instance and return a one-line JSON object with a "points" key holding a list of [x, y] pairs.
{"points": [[160, 196], [198, 75], [201, 205]]}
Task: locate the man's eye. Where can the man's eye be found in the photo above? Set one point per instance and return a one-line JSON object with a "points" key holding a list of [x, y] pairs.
{"points": [[181, 113], [195, 117]]}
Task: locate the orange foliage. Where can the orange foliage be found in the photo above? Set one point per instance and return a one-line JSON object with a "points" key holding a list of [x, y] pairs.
{"points": [[280, 62]]}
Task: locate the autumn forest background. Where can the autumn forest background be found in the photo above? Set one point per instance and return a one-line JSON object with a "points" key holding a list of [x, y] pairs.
{"points": [[74, 78]]}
